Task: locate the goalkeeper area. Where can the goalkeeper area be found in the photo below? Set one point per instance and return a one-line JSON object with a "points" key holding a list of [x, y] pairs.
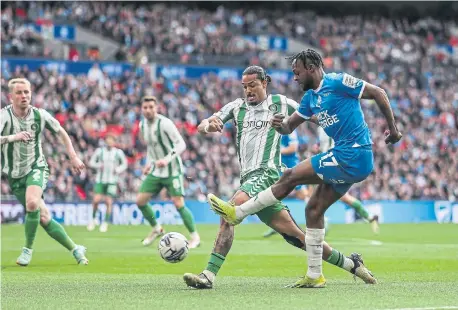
{"points": [[416, 266]]}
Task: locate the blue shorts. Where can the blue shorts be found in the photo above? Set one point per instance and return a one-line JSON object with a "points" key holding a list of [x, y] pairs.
{"points": [[343, 167]]}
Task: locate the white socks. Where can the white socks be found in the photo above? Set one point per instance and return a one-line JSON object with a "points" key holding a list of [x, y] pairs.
{"points": [[210, 275], [348, 264], [263, 200], [157, 228], [314, 238]]}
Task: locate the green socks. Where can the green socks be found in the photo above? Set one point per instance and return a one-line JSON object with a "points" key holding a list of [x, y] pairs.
{"points": [[107, 217], [358, 206], [215, 262], [57, 232], [338, 259], [188, 218], [148, 214], [32, 219]]}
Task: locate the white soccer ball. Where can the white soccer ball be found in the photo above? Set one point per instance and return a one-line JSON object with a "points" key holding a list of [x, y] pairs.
{"points": [[173, 247]]}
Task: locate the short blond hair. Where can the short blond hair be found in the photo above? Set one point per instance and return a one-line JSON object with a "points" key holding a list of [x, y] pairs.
{"points": [[13, 82]]}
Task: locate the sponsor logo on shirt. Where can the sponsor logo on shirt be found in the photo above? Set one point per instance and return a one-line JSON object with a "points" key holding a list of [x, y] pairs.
{"points": [[350, 81], [255, 124], [327, 120]]}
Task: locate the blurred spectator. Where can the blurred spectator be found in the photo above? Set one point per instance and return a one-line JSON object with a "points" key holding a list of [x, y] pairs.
{"points": [[416, 62], [73, 54], [93, 53], [422, 166]]}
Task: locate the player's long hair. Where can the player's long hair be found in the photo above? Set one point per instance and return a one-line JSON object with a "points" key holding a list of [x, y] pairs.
{"points": [[260, 73]]}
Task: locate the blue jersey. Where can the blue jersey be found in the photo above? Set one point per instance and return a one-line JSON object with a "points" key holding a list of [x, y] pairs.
{"points": [[289, 160], [337, 108]]}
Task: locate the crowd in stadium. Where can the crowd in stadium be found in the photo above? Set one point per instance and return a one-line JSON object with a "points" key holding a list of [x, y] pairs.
{"points": [[414, 63]]}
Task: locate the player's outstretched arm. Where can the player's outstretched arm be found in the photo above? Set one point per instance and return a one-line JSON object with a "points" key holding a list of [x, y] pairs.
{"points": [[94, 162], [381, 98], [77, 164], [286, 126], [211, 124]]}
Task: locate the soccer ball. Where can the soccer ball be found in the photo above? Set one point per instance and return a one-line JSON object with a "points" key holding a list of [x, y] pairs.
{"points": [[173, 247]]}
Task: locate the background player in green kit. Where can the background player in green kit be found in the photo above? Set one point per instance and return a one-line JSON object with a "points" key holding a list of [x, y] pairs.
{"points": [[23, 161], [163, 169], [109, 162], [258, 147]]}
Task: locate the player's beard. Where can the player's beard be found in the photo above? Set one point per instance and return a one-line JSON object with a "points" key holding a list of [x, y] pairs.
{"points": [[258, 101]]}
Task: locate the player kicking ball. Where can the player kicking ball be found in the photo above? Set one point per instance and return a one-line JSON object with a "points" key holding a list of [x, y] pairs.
{"points": [[334, 100], [164, 168], [326, 143], [23, 161], [258, 148]]}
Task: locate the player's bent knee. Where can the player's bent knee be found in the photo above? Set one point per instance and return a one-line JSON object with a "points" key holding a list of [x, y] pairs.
{"points": [[289, 179], [178, 202], [142, 200], [293, 241], [32, 204], [287, 175]]}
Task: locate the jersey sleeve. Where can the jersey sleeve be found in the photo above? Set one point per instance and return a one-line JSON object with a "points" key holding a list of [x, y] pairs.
{"points": [[3, 119], [51, 123], [227, 112], [122, 162], [349, 85], [95, 161], [174, 135], [304, 108], [292, 106]]}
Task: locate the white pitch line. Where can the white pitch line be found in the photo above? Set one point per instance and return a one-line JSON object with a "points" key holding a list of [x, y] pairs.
{"points": [[426, 308]]}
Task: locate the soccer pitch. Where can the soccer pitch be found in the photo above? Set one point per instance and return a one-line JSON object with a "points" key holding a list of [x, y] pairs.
{"points": [[416, 266]]}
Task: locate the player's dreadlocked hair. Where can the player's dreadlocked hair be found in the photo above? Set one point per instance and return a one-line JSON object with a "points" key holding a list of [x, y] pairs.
{"points": [[308, 57], [260, 73]]}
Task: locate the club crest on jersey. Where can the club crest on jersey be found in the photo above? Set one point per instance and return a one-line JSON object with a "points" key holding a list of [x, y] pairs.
{"points": [[273, 108], [34, 127], [318, 102]]}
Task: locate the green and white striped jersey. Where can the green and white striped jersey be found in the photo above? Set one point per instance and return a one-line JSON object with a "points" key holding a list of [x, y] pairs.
{"points": [[258, 144], [326, 142], [162, 138], [109, 163], [18, 158]]}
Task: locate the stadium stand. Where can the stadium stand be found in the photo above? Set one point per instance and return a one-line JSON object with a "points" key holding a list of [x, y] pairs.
{"points": [[416, 62]]}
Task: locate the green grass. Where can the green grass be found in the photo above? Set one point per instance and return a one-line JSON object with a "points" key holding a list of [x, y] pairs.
{"points": [[416, 265]]}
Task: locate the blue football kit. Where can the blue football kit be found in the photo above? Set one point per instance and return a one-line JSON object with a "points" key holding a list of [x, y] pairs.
{"points": [[290, 160], [336, 104]]}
